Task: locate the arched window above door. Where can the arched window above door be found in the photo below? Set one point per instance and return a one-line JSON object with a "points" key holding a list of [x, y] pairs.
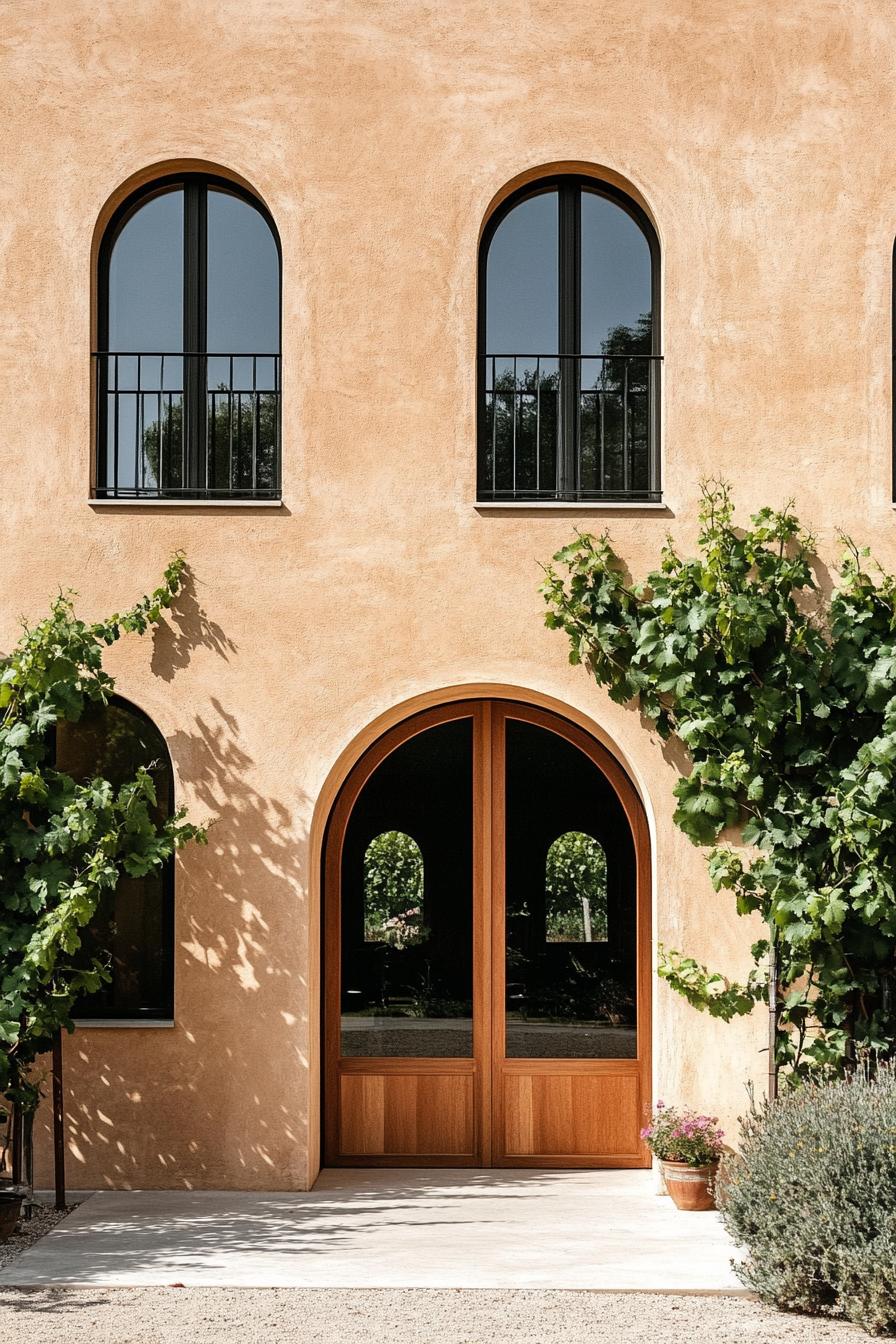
{"points": [[569, 354], [187, 366]]}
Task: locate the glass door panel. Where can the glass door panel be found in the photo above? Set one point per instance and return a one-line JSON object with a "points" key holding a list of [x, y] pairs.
{"points": [[407, 903], [570, 922]]}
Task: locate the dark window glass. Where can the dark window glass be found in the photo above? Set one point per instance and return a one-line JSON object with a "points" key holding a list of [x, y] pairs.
{"points": [[569, 357], [188, 369], [615, 280], [243, 268], [569, 996], [146, 277], [407, 902], [522, 279], [133, 924]]}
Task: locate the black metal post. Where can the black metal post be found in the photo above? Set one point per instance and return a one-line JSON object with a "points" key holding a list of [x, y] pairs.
{"points": [[58, 1123], [195, 377], [772, 1016], [17, 1136], [570, 332]]}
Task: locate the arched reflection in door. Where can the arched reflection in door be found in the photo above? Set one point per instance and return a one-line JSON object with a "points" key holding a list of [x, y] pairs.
{"points": [[568, 997], [407, 902]]}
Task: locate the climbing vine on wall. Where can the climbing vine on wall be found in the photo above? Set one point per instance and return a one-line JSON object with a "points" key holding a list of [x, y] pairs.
{"points": [[781, 685], [64, 842]]}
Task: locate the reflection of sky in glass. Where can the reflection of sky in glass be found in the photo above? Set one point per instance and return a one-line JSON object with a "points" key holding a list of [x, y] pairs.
{"points": [[146, 277], [522, 298], [243, 278], [521, 280], [615, 271]]}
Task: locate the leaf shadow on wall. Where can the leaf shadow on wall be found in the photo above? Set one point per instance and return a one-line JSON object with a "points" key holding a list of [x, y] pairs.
{"points": [[220, 1099], [187, 627]]}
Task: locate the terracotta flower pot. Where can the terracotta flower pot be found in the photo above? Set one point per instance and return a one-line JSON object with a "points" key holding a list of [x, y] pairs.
{"points": [[691, 1187], [10, 1208]]}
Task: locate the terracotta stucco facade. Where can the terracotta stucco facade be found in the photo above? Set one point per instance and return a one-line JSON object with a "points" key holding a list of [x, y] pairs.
{"points": [[379, 134]]}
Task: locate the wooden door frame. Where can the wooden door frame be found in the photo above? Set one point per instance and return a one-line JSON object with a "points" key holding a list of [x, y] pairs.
{"points": [[488, 708]]}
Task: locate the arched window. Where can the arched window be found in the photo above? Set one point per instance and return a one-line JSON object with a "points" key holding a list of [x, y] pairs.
{"points": [[187, 369], [575, 883], [133, 923], [393, 891], [569, 347]]}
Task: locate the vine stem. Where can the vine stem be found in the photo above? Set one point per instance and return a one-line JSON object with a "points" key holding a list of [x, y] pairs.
{"points": [[772, 1014]]}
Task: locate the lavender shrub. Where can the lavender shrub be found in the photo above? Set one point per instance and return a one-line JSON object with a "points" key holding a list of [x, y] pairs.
{"points": [[812, 1197]]}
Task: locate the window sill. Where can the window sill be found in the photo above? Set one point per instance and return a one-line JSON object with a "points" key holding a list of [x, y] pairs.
{"points": [[572, 506], [106, 1022], [185, 503]]}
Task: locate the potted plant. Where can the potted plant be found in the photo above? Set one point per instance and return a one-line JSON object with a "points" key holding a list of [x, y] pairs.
{"points": [[689, 1147]]}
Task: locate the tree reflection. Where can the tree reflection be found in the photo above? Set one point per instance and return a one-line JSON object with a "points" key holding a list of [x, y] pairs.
{"points": [[523, 417], [576, 890], [242, 429]]}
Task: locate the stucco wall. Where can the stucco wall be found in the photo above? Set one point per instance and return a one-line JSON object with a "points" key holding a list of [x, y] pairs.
{"points": [[378, 131]]}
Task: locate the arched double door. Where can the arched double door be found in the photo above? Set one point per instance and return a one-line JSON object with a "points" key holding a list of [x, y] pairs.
{"points": [[487, 948]]}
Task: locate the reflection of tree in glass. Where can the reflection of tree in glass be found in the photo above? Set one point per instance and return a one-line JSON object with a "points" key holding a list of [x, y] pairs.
{"points": [[614, 409], [230, 422], [576, 890], [523, 416], [625, 340], [393, 891], [531, 396]]}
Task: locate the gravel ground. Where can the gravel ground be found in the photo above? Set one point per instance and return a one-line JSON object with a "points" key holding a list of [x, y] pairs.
{"points": [[407, 1316], [29, 1231]]}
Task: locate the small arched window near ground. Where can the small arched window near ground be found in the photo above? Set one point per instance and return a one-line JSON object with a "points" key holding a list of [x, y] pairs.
{"points": [[187, 369], [134, 923], [569, 356], [575, 883], [393, 891]]}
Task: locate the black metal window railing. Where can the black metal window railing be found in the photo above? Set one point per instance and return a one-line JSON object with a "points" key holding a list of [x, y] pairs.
{"points": [[187, 426], [569, 428]]}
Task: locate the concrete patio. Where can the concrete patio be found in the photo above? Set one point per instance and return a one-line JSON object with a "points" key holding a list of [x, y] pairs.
{"points": [[392, 1229]]}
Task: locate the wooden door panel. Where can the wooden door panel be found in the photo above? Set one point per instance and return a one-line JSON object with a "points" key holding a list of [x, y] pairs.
{"points": [[407, 1115], [362, 1114], [572, 1114]]}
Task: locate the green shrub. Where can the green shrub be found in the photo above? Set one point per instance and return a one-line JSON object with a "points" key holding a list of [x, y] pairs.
{"points": [[812, 1198]]}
